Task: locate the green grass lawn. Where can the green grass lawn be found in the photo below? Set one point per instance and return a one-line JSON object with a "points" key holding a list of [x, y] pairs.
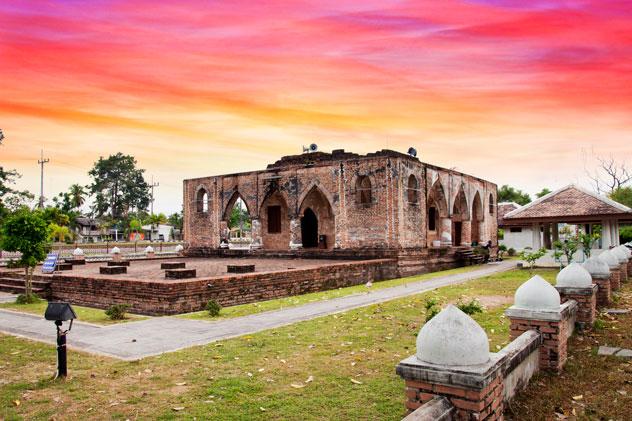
{"points": [[297, 372], [84, 314], [246, 309]]}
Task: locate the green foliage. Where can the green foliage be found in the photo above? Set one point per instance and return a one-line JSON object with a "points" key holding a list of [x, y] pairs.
{"points": [[530, 256], [510, 194], [117, 311], [622, 195], [11, 199], [175, 219], [59, 234], [433, 311], [71, 200], [502, 249], [239, 217], [213, 308], [27, 232], [543, 192], [135, 225], [511, 252], [566, 248], [588, 240], [430, 302], [118, 186], [501, 234], [599, 324], [473, 307], [625, 233], [27, 299], [56, 216]]}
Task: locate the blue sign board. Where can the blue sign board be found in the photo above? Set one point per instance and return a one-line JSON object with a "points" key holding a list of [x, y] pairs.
{"points": [[50, 263]]}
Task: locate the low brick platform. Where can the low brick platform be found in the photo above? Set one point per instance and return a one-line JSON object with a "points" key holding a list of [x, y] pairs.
{"points": [[119, 263], [173, 265], [63, 266], [180, 273], [112, 270], [240, 268], [75, 262]]}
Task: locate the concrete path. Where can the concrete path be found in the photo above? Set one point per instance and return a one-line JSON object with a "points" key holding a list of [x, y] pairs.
{"points": [[135, 340]]}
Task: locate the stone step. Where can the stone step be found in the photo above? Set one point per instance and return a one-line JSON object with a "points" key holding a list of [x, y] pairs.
{"points": [[15, 289], [20, 282]]}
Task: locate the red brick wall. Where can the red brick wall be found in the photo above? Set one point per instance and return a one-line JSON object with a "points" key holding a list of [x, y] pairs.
{"points": [[180, 296], [554, 347]]}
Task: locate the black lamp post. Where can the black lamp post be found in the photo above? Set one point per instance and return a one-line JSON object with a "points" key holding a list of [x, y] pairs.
{"points": [[59, 313]]}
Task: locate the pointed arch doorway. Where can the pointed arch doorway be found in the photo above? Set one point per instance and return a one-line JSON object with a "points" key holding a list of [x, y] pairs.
{"points": [[309, 228]]}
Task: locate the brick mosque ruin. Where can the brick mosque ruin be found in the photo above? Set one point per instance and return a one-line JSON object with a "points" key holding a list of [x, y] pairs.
{"points": [[317, 221], [341, 204]]}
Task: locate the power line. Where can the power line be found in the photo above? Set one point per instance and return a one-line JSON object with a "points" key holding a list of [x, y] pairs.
{"points": [[41, 162]]}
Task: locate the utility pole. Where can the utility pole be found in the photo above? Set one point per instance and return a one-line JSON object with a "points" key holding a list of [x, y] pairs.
{"points": [[41, 162], [152, 185]]}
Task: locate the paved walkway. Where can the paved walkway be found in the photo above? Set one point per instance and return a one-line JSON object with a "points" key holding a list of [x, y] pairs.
{"points": [[135, 340]]}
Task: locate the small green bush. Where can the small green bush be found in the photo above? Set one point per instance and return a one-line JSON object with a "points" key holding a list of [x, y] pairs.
{"points": [[599, 324], [511, 251], [470, 308], [432, 311], [117, 311], [431, 302], [213, 308], [27, 299]]}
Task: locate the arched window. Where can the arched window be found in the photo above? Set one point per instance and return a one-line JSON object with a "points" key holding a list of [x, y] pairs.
{"points": [[201, 200], [491, 204], [363, 190], [412, 189], [432, 218]]}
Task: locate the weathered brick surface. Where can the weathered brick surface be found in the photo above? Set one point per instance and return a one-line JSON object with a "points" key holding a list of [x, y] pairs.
{"points": [[587, 307], [554, 350], [180, 296], [615, 279], [604, 291], [394, 216], [624, 272], [470, 403]]}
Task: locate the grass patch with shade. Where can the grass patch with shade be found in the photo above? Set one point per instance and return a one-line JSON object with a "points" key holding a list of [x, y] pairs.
{"points": [[84, 314]]}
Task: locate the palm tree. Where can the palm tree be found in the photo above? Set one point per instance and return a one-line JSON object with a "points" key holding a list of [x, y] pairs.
{"points": [[77, 195]]}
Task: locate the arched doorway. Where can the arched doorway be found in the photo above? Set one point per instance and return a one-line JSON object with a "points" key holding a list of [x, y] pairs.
{"points": [[309, 228], [436, 214], [460, 217], [477, 218]]}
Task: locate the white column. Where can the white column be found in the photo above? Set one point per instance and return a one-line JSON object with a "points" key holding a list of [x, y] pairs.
{"points": [[537, 237], [615, 233], [606, 235]]}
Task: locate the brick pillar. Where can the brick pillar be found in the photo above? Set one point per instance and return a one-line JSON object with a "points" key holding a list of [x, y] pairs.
{"points": [[604, 291], [554, 326], [586, 303], [615, 279], [623, 270], [629, 268], [466, 233], [296, 242], [255, 234]]}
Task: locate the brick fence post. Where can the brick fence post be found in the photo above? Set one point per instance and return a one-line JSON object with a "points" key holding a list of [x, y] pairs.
{"points": [[620, 253], [453, 361], [600, 273], [615, 269], [574, 282], [537, 306]]}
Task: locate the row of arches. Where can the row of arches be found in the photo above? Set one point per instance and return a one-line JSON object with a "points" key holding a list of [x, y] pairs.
{"points": [[455, 223]]}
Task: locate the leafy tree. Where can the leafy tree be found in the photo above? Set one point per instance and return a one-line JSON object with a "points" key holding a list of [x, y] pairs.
{"points": [[566, 248], [622, 195], [156, 219], [10, 198], [588, 240], [530, 256], [625, 233], [510, 194], [239, 217], [175, 219], [54, 215], [543, 192], [59, 233], [118, 186], [27, 232], [77, 194]]}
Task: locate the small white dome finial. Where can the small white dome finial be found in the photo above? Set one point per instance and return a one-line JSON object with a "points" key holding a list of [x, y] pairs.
{"points": [[610, 259], [597, 267], [574, 275], [115, 250], [452, 338], [537, 294]]}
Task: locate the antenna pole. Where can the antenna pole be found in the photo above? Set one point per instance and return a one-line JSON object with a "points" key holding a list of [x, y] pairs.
{"points": [[152, 185], [41, 162]]}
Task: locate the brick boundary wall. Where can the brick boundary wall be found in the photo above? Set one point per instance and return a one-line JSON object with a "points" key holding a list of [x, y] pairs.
{"points": [[181, 296], [586, 303], [604, 292]]}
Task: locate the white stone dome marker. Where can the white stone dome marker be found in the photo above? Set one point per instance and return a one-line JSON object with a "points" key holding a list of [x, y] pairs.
{"points": [[626, 251], [179, 248], [115, 250], [597, 267], [149, 249], [77, 252], [452, 338], [538, 295], [620, 254], [575, 276], [610, 259]]}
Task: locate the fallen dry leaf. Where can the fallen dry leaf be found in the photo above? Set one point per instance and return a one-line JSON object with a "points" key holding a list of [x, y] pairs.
{"points": [[297, 386], [578, 397], [178, 408], [309, 379], [16, 402], [181, 384], [354, 381]]}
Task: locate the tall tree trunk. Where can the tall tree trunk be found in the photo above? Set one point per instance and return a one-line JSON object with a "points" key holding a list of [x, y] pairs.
{"points": [[28, 282]]}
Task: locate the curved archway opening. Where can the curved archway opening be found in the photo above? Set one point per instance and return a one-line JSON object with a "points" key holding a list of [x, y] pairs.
{"points": [[477, 218], [309, 229]]}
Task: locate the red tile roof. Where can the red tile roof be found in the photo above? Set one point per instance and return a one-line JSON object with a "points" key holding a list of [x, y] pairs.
{"points": [[570, 201]]}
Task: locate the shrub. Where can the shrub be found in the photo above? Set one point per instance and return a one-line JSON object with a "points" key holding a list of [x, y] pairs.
{"points": [[213, 308], [502, 249], [511, 251], [117, 311], [599, 324], [431, 302], [432, 311], [27, 299], [470, 308]]}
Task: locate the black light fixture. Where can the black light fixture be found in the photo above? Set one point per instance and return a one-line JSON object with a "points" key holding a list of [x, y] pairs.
{"points": [[61, 312]]}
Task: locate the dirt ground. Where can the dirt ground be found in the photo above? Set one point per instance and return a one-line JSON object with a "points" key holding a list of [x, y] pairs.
{"points": [[205, 267]]}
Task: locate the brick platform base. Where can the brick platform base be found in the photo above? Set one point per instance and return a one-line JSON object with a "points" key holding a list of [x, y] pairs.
{"points": [[240, 268], [75, 262], [180, 273], [118, 263], [173, 265], [63, 266], [112, 270]]}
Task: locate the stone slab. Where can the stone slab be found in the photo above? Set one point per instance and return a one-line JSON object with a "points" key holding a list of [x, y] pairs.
{"points": [[615, 352], [173, 265], [75, 261], [112, 270], [63, 266], [240, 268], [118, 263], [180, 273], [616, 311]]}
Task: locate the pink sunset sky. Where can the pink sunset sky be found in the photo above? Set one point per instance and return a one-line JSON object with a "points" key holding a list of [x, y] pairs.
{"points": [[520, 95]]}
